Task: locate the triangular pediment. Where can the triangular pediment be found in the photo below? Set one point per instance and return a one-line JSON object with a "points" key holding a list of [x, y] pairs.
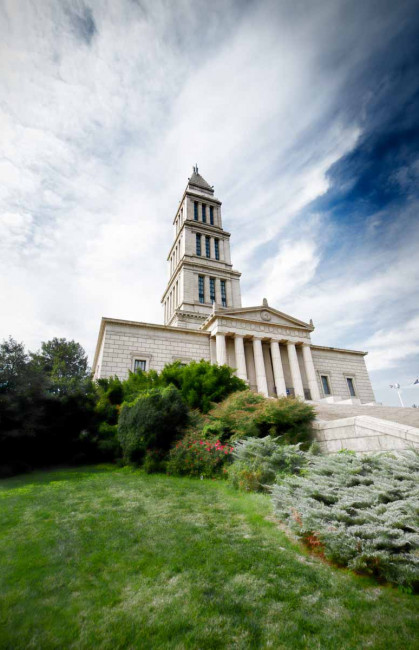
{"points": [[265, 314]]}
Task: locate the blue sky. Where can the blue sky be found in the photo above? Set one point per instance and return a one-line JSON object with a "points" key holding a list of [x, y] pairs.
{"points": [[304, 116]]}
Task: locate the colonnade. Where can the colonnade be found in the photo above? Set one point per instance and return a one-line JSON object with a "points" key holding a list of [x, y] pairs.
{"points": [[277, 368]]}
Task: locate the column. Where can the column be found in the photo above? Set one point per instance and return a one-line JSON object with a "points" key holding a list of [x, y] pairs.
{"points": [[220, 342], [261, 382], [217, 292], [240, 358], [295, 370], [281, 389], [310, 372], [206, 288], [229, 295]]}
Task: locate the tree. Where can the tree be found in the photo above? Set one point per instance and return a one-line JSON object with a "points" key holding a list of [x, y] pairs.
{"points": [[47, 406], [65, 364], [13, 363]]}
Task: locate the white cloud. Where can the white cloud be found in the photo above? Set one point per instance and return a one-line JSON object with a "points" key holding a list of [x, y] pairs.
{"points": [[100, 129]]}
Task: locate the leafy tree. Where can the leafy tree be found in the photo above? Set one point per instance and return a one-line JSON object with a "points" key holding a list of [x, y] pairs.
{"points": [[47, 405], [152, 421], [64, 363], [13, 363]]}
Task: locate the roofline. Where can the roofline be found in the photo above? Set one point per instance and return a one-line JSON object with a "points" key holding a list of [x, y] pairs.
{"points": [[230, 313], [119, 321], [325, 347]]}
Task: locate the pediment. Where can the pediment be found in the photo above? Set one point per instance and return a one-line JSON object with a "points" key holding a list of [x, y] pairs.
{"points": [[265, 314]]}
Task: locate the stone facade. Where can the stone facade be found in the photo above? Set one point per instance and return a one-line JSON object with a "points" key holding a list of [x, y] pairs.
{"points": [[204, 319], [124, 342]]}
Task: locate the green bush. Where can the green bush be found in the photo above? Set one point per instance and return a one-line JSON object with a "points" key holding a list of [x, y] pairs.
{"points": [[154, 461], [247, 414], [195, 456], [360, 512], [257, 462], [202, 383], [153, 420]]}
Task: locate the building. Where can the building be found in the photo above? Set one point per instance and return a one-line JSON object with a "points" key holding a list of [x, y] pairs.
{"points": [[204, 319]]}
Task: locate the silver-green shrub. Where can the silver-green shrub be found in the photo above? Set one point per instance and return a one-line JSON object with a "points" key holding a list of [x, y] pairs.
{"points": [[258, 462], [362, 512]]}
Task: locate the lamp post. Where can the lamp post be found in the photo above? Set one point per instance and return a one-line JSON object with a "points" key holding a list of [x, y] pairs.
{"points": [[397, 387]]}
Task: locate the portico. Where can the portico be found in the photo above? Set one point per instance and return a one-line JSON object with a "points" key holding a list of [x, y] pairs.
{"points": [[270, 350]]}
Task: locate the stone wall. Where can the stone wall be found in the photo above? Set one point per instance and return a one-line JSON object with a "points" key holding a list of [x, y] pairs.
{"points": [[364, 434], [338, 365], [158, 345]]}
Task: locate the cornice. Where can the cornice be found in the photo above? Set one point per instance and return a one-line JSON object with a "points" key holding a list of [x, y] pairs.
{"points": [[331, 349]]}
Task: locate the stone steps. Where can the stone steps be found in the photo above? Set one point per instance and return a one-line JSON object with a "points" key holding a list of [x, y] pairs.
{"points": [[406, 416]]}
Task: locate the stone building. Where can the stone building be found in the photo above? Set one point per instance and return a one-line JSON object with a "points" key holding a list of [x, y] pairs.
{"points": [[204, 319]]}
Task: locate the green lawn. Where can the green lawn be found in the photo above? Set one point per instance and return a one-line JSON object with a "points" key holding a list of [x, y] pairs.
{"points": [[112, 558]]}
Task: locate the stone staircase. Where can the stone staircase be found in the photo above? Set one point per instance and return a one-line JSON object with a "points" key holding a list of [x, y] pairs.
{"points": [[406, 416], [365, 429]]}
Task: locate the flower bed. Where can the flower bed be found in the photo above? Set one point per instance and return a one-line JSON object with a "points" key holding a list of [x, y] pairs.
{"points": [[204, 458]]}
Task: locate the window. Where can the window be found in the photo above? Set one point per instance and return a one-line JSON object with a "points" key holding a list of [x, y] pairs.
{"points": [[140, 364], [223, 293], [204, 213], [207, 247], [211, 215], [325, 384], [201, 288], [217, 248], [198, 244], [195, 210], [212, 289], [351, 386]]}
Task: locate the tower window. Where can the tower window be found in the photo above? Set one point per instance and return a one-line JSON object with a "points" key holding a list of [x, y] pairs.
{"points": [[204, 213], [217, 248], [211, 215], [201, 294], [195, 210], [325, 384], [198, 244], [351, 386], [223, 293], [207, 247], [212, 289]]}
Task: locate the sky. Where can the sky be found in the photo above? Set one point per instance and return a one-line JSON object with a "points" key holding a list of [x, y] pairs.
{"points": [[303, 114]]}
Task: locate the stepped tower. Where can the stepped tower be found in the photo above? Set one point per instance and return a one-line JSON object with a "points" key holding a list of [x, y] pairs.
{"points": [[201, 276]]}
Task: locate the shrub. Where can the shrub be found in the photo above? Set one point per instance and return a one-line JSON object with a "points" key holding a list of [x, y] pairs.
{"points": [[361, 512], [154, 461], [153, 420], [202, 383], [107, 441], [247, 414], [258, 462], [198, 457]]}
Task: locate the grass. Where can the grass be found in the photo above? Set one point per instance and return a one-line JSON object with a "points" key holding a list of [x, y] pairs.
{"points": [[103, 557]]}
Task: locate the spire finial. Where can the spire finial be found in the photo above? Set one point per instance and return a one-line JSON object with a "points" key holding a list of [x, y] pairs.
{"points": [[195, 168]]}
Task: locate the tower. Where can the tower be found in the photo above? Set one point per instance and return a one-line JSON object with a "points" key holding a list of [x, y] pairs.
{"points": [[201, 276]]}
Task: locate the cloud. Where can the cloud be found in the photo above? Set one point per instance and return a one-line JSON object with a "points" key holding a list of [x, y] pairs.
{"points": [[285, 106]]}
